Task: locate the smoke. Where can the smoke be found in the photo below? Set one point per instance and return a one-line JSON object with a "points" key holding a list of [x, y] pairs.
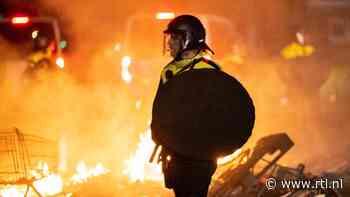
{"points": [[98, 120], [93, 123], [314, 119], [87, 108]]}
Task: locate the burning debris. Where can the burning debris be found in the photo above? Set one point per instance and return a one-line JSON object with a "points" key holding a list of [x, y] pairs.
{"points": [[239, 177], [20, 178], [248, 172], [243, 173], [18, 154], [84, 173], [138, 167]]}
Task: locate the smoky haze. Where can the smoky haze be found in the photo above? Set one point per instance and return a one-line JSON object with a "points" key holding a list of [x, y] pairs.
{"points": [[97, 120]]}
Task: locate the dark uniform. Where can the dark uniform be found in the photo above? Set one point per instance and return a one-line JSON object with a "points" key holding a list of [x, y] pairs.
{"points": [[186, 176], [194, 100]]}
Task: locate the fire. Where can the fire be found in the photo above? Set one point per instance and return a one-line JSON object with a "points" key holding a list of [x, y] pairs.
{"points": [[295, 50], [60, 62], [138, 167], [229, 158], [12, 191], [126, 75], [84, 173], [50, 184], [47, 183], [300, 38]]}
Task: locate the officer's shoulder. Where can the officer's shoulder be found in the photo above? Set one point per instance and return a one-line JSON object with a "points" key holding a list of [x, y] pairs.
{"points": [[207, 63], [168, 65]]}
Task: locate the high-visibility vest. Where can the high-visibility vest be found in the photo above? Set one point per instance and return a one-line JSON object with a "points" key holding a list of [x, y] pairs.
{"points": [[176, 67], [37, 56]]}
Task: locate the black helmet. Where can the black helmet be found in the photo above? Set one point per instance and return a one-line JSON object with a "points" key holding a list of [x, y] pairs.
{"points": [[192, 29]]}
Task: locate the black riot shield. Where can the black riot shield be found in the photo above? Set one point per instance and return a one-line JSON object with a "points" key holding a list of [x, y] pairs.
{"points": [[202, 114]]}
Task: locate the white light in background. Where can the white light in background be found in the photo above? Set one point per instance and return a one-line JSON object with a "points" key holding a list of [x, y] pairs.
{"points": [[126, 75], [60, 62], [126, 61], [117, 47], [63, 150], [35, 34], [20, 20], [138, 104], [138, 168], [165, 15], [300, 38]]}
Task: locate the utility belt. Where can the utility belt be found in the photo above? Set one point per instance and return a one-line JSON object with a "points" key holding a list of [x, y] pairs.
{"points": [[178, 169]]}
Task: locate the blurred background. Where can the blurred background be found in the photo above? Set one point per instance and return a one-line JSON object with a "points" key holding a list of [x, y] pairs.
{"points": [[85, 73]]}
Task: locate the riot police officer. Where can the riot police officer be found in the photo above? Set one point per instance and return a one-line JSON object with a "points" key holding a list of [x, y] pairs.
{"points": [[185, 39], [41, 57]]}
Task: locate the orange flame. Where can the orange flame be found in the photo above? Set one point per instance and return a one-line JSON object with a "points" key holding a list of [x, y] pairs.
{"points": [[50, 184], [229, 158], [47, 183], [13, 191], [84, 173], [138, 167]]}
